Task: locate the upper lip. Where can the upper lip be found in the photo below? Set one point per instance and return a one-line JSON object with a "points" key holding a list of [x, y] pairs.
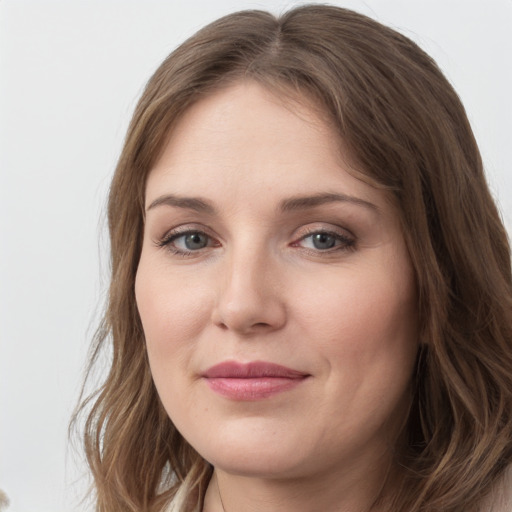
{"points": [[252, 370]]}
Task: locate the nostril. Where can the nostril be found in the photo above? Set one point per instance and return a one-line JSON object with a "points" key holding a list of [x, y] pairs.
{"points": [[260, 325]]}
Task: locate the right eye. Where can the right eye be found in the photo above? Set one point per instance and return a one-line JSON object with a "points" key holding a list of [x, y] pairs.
{"points": [[187, 242]]}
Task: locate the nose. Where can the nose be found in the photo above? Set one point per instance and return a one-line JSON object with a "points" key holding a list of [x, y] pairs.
{"points": [[250, 298]]}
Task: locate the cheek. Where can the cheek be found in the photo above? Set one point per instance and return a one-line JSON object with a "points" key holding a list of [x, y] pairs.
{"points": [[172, 316], [365, 326], [366, 334], [369, 304], [171, 309]]}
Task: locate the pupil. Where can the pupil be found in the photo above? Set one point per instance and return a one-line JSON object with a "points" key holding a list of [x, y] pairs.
{"points": [[323, 241], [195, 241]]}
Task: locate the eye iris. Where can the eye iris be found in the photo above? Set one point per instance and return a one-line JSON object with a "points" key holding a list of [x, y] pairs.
{"points": [[323, 241], [194, 241]]}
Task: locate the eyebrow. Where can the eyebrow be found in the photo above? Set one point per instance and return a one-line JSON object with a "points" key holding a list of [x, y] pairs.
{"points": [[292, 204], [305, 202], [189, 203]]}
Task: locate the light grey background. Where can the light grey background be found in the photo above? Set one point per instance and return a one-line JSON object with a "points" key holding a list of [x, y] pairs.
{"points": [[70, 73]]}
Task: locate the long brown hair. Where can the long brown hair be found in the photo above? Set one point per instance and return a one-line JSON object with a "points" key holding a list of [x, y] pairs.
{"points": [[406, 128]]}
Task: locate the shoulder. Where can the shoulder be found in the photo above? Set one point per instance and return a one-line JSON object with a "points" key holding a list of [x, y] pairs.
{"points": [[500, 499]]}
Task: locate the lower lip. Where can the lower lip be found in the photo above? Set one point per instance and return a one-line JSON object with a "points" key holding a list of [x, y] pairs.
{"points": [[251, 389]]}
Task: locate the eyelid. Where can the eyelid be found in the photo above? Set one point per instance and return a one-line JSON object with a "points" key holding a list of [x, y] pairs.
{"points": [[318, 227], [183, 229]]}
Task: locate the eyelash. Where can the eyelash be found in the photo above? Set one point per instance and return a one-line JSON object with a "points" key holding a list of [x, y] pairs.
{"points": [[346, 243]]}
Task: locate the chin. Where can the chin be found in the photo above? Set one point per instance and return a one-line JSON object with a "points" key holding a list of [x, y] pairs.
{"points": [[256, 464], [250, 448]]}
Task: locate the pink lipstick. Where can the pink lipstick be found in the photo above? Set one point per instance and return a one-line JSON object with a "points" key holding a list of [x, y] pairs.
{"points": [[251, 381]]}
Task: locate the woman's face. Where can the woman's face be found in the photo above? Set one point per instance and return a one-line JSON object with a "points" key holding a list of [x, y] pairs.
{"points": [[276, 292]]}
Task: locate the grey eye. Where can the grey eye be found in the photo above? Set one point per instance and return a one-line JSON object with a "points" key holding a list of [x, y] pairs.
{"points": [[323, 241], [188, 243], [193, 241]]}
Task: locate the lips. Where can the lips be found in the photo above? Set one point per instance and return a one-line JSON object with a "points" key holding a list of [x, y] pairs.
{"points": [[251, 381]]}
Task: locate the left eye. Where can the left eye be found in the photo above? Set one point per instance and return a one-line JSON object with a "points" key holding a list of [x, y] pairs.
{"points": [[323, 241]]}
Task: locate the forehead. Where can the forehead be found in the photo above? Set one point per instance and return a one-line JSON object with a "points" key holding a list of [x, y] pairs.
{"points": [[246, 137]]}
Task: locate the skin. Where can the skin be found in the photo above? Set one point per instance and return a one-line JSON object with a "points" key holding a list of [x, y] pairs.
{"points": [[261, 284]]}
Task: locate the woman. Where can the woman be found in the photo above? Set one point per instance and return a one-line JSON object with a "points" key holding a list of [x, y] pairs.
{"points": [[310, 305]]}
